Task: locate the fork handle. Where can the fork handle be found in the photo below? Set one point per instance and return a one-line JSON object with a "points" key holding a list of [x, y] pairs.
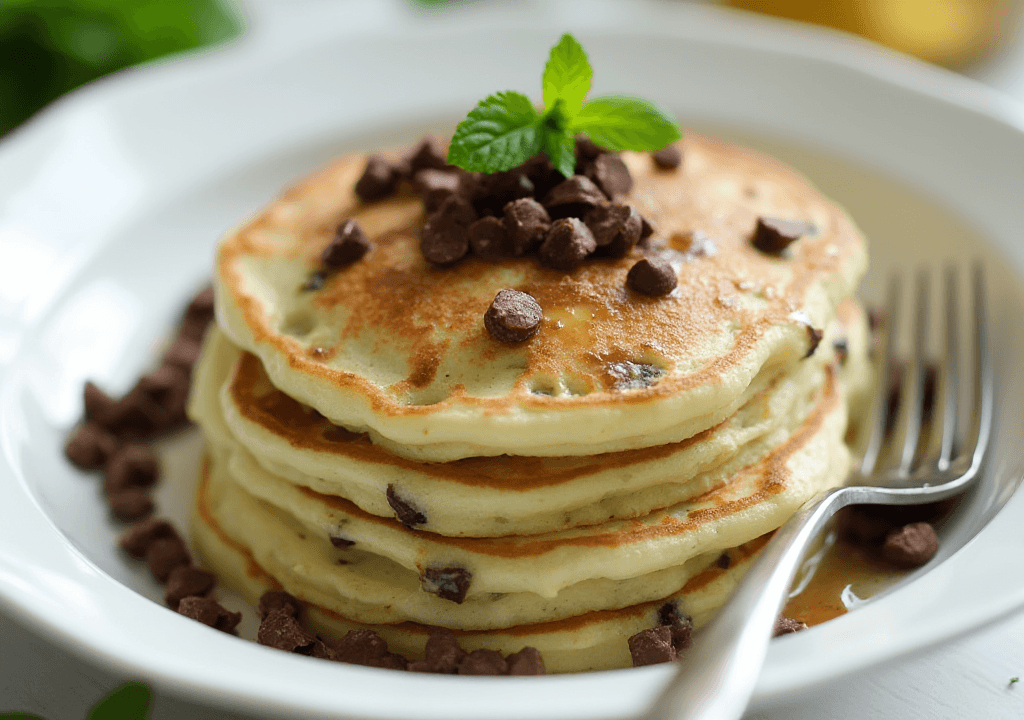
{"points": [[717, 675]]}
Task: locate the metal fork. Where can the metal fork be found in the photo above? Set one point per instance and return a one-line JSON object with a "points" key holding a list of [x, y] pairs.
{"points": [[906, 461]]}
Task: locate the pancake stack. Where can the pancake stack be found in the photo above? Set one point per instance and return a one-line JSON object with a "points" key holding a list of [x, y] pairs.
{"points": [[376, 452]]}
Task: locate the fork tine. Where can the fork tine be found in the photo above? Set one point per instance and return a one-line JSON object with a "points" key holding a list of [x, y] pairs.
{"points": [[982, 392], [907, 432], [887, 359], [949, 373], [943, 421]]}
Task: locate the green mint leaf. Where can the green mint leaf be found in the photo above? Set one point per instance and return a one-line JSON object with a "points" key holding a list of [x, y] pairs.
{"points": [[567, 75], [501, 132], [619, 122], [131, 701], [560, 146]]}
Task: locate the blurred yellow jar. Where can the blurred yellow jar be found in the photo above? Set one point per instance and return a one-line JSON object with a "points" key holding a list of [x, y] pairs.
{"points": [[947, 32]]}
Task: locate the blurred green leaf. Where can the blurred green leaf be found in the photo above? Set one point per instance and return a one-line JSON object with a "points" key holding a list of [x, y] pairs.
{"points": [[48, 47], [131, 701]]}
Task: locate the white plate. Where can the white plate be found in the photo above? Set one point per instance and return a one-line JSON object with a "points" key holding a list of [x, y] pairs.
{"points": [[111, 202]]}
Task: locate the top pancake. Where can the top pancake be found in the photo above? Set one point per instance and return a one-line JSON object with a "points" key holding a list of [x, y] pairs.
{"points": [[394, 346]]}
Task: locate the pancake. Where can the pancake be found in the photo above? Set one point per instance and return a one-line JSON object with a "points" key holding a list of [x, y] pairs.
{"points": [[396, 348], [509, 495]]}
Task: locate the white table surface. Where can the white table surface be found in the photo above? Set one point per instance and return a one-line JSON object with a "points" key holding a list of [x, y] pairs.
{"points": [[966, 678]]}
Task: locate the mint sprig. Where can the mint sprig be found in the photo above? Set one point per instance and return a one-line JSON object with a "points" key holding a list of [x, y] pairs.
{"points": [[505, 130]]}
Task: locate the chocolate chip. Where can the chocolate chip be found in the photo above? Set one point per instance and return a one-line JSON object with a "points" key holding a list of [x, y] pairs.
{"points": [[202, 305], [680, 624], [365, 647], [444, 239], [860, 525], [573, 197], [318, 649], [527, 223], [130, 504], [567, 244], [137, 540], [273, 600], [168, 388], [209, 612], [646, 230], [526, 662], [281, 631], [133, 466], [186, 580], [97, 402], [165, 554], [183, 352], [342, 543], [430, 153], [198, 315], [724, 561], [513, 316], [616, 228], [407, 514], [668, 158], [349, 244], [586, 149], [448, 583], [652, 276], [483, 662], [814, 336], [653, 646], [910, 546], [785, 626], [611, 175], [542, 173], [489, 239], [90, 447], [669, 614], [773, 235], [441, 655], [495, 191], [435, 186], [378, 181], [137, 416]]}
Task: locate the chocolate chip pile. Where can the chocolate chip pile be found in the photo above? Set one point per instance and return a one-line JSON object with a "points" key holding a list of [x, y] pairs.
{"points": [[528, 209], [282, 627], [114, 437]]}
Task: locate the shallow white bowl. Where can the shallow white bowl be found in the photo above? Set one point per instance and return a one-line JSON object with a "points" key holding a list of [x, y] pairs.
{"points": [[111, 203]]}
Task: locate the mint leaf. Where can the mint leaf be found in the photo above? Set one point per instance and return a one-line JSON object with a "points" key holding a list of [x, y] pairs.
{"points": [[561, 148], [567, 75], [619, 122], [131, 701], [501, 132]]}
